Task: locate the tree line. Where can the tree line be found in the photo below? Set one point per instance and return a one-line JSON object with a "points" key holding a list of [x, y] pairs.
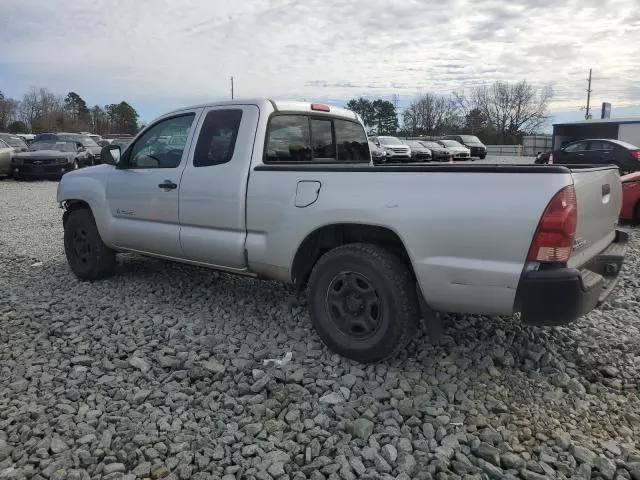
{"points": [[40, 110], [500, 113]]}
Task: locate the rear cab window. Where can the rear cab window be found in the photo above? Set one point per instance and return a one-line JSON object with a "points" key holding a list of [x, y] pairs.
{"points": [[300, 138]]}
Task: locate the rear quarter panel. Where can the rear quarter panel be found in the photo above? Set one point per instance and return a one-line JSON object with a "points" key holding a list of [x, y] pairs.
{"points": [[467, 234]]}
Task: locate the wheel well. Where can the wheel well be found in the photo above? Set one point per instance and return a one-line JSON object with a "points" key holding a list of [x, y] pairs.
{"points": [[72, 206], [331, 236]]}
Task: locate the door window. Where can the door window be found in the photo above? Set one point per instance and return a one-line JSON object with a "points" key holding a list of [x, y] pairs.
{"points": [[217, 139], [600, 145], [575, 147], [155, 149]]}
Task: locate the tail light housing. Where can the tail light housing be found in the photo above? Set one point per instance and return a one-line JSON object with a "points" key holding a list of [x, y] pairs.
{"points": [[626, 185], [553, 240], [635, 154]]}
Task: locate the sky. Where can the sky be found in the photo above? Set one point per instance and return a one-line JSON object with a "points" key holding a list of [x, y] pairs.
{"points": [[162, 54]]}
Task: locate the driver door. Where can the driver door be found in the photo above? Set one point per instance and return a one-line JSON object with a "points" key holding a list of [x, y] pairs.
{"points": [[573, 153], [142, 191]]}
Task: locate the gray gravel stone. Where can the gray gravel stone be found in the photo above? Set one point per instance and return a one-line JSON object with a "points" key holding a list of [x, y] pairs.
{"points": [[606, 467], [196, 395], [583, 454], [362, 428]]}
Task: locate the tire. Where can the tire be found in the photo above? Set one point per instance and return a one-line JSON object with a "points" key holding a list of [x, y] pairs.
{"points": [[374, 312], [636, 213], [88, 257], [482, 157]]}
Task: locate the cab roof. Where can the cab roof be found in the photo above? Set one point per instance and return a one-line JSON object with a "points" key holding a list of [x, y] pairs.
{"points": [[316, 108]]}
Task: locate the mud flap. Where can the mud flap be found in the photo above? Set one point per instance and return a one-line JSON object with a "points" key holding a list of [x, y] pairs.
{"points": [[430, 319]]}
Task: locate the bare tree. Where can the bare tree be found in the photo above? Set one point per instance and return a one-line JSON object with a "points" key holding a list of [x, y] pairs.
{"points": [[512, 109], [431, 115], [8, 111]]}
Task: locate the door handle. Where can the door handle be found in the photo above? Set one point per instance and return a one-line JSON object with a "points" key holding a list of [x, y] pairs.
{"points": [[581, 154], [168, 185]]}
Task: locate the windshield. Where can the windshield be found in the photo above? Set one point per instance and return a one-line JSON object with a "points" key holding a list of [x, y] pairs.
{"points": [[450, 143], [13, 141], [52, 145], [430, 145], [470, 139], [88, 142], [389, 141], [414, 144]]}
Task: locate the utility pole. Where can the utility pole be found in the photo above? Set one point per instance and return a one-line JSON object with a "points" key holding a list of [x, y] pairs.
{"points": [[587, 116], [232, 89]]}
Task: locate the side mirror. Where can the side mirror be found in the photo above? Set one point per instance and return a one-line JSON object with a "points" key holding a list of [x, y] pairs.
{"points": [[110, 154], [81, 148]]}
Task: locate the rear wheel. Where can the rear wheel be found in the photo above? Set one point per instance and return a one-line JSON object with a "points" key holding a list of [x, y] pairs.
{"points": [[636, 213], [362, 302], [87, 255]]}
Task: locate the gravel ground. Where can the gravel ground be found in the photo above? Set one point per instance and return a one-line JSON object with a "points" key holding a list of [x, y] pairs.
{"points": [[159, 372]]}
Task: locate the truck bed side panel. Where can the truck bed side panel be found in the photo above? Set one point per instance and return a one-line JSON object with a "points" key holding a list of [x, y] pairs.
{"points": [[467, 233]]}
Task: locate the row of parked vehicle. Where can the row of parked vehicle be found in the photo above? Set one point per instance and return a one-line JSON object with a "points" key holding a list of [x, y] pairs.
{"points": [[449, 147], [50, 154]]}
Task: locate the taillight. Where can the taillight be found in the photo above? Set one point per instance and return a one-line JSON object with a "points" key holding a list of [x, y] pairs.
{"points": [[635, 154], [553, 240], [626, 185]]}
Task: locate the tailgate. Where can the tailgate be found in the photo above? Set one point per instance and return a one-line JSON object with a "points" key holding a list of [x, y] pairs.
{"points": [[599, 197]]}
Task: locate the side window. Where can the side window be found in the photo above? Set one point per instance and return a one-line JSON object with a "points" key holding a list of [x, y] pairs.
{"points": [[600, 145], [154, 148], [322, 137], [217, 139], [288, 139], [352, 142], [575, 147]]}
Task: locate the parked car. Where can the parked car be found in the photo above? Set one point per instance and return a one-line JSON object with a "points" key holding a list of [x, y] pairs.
{"points": [[14, 141], [439, 152], [378, 155], [50, 158], [419, 153], [5, 158], [376, 248], [630, 197], [92, 148], [394, 148], [599, 151], [457, 150], [473, 143]]}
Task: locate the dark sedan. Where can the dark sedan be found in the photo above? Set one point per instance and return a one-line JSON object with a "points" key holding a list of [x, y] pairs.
{"points": [[598, 151], [473, 143], [438, 152], [49, 158], [92, 148], [419, 153]]}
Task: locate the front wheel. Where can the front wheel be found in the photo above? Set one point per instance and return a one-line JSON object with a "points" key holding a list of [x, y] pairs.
{"points": [[87, 255], [362, 302]]}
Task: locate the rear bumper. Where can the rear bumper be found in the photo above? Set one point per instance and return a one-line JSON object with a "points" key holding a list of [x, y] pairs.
{"points": [[559, 296]]}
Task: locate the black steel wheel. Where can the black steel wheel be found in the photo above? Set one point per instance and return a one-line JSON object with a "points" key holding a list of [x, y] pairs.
{"points": [[87, 255], [362, 302], [354, 305]]}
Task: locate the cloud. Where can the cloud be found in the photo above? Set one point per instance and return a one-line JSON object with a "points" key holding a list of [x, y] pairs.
{"points": [[179, 51]]}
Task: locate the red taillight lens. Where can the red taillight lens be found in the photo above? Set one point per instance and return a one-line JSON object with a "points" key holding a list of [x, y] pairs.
{"points": [[320, 107], [626, 185], [635, 154], [553, 240]]}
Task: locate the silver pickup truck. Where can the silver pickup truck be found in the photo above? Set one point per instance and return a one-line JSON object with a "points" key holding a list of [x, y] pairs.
{"points": [[287, 191]]}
